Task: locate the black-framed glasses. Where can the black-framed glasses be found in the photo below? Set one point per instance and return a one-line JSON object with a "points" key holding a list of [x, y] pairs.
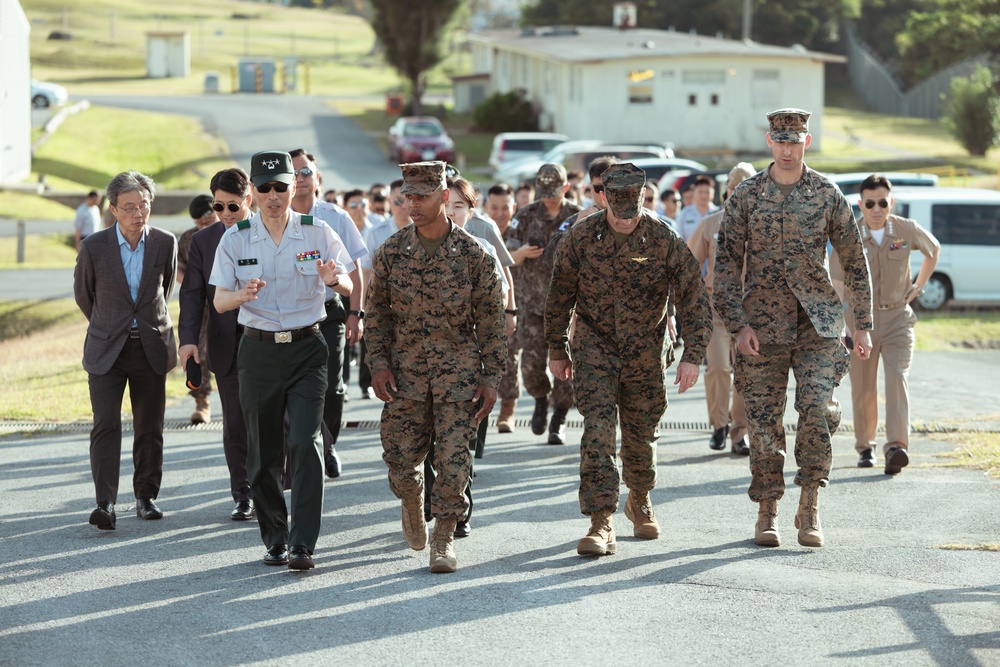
{"points": [[597, 189], [882, 203], [220, 207], [304, 171], [267, 187]]}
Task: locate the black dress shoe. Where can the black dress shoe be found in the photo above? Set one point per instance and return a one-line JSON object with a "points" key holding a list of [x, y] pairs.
{"points": [[895, 460], [276, 555], [867, 458], [462, 529], [540, 416], [331, 463], [741, 447], [145, 508], [718, 441], [103, 516], [299, 558], [243, 511]]}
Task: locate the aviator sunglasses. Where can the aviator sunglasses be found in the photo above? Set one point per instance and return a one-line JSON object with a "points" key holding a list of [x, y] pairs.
{"points": [[218, 206], [882, 203], [267, 187], [305, 171]]}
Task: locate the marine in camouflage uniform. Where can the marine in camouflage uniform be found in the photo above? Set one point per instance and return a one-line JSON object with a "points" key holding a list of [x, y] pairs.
{"points": [[534, 225], [615, 269], [788, 316], [436, 348]]}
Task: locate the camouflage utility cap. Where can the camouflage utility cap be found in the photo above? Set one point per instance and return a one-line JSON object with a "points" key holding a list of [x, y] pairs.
{"points": [[624, 186], [422, 178], [550, 180], [789, 125], [741, 172], [271, 167]]}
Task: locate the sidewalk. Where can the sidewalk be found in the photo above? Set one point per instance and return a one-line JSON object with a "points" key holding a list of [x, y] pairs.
{"points": [[190, 589]]}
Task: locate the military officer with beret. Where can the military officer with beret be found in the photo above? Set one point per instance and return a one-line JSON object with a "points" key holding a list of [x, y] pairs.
{"points": [[888, 241], [615, 269], [436, 348], [275, 267], [786, 315]]}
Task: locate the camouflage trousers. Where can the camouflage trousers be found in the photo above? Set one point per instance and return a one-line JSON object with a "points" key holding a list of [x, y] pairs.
{"points": [[617, 392], [205, 388], [535, 363], [819, 364], [510, 384], [408, 428]]}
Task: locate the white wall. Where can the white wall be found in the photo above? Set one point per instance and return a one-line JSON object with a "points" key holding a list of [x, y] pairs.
{"points": [[15, 94]]}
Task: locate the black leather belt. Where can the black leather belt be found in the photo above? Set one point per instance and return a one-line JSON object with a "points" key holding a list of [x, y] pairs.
{"points": [[281, 336], [133, 333]]}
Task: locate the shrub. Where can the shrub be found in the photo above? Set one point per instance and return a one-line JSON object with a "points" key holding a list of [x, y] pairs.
{"points": [[506, 112], [972, 115]]}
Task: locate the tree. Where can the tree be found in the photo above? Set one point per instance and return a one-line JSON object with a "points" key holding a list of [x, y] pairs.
{"points": [[412, 34], [950, 31], [973, 113]]}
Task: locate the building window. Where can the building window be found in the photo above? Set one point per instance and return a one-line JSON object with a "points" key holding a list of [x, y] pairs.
{"points": [[715, 100], [692, 100], [640, 86], [765, 74]]}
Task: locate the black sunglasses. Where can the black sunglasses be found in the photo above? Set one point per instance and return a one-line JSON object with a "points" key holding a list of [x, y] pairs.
{"points": [[597, 188], [305, 171], [219, 206], [278, 187], [882, 203]]}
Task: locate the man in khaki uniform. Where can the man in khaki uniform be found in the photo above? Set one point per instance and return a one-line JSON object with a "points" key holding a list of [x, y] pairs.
{"points": [[725, 420], [532, 228], [436, 347], [888, 241], [615, 270], [786, 315]]}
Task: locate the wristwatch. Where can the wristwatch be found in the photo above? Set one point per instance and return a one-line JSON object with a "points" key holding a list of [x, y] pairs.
{"points": [[920, 290], [511, 311], [359, 313]]}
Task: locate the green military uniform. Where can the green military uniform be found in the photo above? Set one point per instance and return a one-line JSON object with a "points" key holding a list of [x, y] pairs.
{"points": [[789, 301], [619, 290]]}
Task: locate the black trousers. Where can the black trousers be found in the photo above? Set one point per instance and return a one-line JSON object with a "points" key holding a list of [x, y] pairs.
{"points": [[147, 390], [234, 434]]}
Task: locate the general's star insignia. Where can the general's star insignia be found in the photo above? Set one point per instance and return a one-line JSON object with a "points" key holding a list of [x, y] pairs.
{"points": [[270, 164], [639, 259]]}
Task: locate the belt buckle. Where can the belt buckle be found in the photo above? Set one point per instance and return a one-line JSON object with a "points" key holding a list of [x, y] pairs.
{"points": [[133, 333], [282, 336]]}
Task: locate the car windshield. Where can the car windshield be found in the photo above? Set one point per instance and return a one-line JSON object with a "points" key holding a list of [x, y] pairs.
{"points": [[421, 130]]}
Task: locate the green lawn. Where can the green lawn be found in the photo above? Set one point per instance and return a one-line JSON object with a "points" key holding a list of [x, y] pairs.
{"points": [[52, 251]]}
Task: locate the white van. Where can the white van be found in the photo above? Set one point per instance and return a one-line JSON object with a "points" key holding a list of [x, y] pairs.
{"points": [[966, 221]]}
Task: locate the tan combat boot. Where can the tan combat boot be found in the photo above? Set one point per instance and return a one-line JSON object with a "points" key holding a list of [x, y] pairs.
{"points": [[639, 510], [414, 525], [600, 541], [807, 518], [766, 531], [505, 422], [202, 410], [443, 557]]}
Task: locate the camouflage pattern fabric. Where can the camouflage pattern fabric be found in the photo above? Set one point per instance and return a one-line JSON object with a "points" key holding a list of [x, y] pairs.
{"points": [[422, 178], [620, 348], [624, 186], [535, 363], [789, 125], [436, 322], [532, 225], [784, 244], [510, 383], [550, 179], [408, 428], [819, 364]]}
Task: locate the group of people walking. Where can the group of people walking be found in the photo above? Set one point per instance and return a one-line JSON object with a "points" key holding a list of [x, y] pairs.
{"points": [[454, 308]]}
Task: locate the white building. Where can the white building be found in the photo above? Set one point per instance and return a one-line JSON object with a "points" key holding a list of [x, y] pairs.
{"points": [[15, 93], [639, 86]]}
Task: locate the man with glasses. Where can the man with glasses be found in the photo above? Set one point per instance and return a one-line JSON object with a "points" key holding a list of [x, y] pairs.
{"points": [[772, 288], [231, 202], [701, 205], [275, 268], [123, 281], [344, 323], [670, 200], [888, 241]]}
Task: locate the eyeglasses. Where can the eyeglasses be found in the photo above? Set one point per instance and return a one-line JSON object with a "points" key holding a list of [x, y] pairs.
{"points": [[357, 204], [219, 206], [882, 203], [598, 189], [131, 208], [649, 200], [304, 171], [277, 187], [398, 201]]}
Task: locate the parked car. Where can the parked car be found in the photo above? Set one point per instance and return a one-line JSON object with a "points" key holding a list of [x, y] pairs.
{"points": [[966, 221], [678, 179], [656, 167], [419, 138], [45, 94], [850, 182], [512, 146], [576, 155]]}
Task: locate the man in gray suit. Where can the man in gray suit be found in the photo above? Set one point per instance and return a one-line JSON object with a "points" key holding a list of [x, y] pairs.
{"points": [[123, 280]]}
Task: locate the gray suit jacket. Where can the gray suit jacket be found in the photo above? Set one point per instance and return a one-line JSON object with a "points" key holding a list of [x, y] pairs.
{"points": [[103, 295]]}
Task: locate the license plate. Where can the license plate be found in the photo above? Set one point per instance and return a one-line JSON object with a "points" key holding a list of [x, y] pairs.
{"points": [[429, 154]]}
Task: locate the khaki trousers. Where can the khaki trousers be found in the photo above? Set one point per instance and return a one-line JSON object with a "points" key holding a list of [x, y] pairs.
{"points": [[719, 383]]}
